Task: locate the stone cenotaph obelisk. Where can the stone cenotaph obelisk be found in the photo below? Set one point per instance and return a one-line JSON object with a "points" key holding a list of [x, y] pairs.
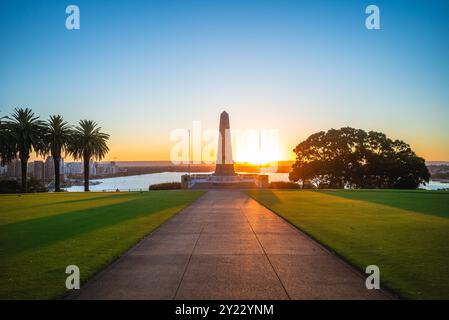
{"points": [[224, 165]]}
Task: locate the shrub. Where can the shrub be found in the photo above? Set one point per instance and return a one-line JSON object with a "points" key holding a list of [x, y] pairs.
{"points": [[166, 186], [35, 185], [9, 186], [13, 186]]}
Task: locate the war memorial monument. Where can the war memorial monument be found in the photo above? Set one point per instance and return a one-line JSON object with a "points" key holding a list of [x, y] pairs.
{"points": [[224, 175]]}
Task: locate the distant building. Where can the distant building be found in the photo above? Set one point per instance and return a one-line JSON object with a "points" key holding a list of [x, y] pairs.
{"points": [[103, 169], [95, 168], [49, 169], [61, 170], [38, 170], [30, 169], [73, 168], [14, 169], [92, 168]]}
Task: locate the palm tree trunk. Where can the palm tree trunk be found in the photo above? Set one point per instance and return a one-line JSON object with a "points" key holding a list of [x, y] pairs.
{"points": [[24, 166], [57, 162], [86, 159]]}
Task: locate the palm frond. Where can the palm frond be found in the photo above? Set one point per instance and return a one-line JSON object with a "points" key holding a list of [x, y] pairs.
{"points": [[25, 131], [88, 140]]}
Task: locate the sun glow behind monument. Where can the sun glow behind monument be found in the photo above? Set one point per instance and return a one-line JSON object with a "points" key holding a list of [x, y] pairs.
{"points": [[251, 146], [224, 175], [257, 146]]}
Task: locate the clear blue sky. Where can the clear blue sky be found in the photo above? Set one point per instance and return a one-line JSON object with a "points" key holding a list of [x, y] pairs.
{"points": [[143, 68]]}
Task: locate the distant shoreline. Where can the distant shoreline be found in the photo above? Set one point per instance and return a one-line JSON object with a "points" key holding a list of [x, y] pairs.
{"points": [[143, 181]]}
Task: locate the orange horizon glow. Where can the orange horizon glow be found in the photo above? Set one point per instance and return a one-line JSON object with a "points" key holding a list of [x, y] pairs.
{"points": [[128, 147], [162, 155]]}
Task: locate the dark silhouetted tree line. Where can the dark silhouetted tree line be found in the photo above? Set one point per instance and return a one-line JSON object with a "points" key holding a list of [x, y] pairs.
{"points": [[353, 158]]}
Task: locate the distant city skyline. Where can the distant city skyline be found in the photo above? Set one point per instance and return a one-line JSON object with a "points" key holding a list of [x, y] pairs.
{"points": [[142, 69], [44, 170]]}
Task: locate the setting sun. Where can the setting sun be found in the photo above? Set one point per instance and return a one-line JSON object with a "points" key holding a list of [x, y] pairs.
{"points": [[257, 147]]}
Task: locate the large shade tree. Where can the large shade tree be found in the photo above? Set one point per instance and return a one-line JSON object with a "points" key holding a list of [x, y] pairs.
{"points": [[25, 132], [88, 142], [56, 140], [350, 157]]}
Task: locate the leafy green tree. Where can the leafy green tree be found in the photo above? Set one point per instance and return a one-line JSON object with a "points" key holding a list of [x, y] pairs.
{"points": [[56, 139], [88, 142], [25, 133], [350, 157]]}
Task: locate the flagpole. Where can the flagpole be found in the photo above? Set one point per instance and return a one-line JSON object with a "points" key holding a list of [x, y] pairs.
{"points": [[189, 154]]}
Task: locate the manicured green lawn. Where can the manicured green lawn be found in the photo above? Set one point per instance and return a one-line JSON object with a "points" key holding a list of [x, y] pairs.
{"points": [[41, 234], [405, 233]]}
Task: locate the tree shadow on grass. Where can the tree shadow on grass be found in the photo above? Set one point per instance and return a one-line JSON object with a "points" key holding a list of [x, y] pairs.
{"points": [[426, 202], [89, 197], [31, 234], [267, 195]]}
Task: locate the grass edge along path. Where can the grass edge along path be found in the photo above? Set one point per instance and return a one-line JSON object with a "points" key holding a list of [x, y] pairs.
{"points": [[409, 247], [41, 234]]}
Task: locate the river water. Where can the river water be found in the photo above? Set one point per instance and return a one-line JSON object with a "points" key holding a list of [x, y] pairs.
{"points": [[142, 182]]}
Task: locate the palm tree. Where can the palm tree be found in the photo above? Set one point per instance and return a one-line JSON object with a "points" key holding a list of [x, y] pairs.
{"points": [[88, 142], [56, 140], [6, 152], [25, 134]]}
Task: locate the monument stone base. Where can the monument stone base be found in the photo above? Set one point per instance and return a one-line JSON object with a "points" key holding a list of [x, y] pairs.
{"points": [[213, 181], [224, 170]]}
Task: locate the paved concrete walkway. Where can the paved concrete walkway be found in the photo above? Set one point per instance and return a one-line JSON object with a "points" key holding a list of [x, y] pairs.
{"points": [[228, 246]]}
